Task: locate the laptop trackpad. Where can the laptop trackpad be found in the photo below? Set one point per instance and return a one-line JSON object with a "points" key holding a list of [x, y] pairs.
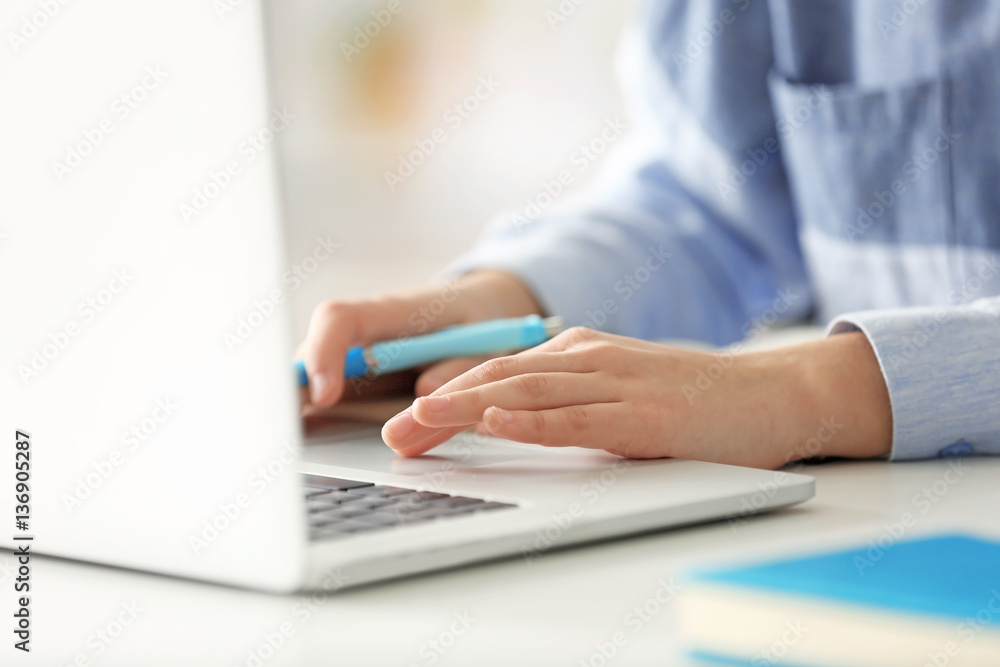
{"points": [[465, 450]]}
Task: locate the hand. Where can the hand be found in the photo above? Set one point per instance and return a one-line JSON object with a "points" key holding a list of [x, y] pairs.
{"points": [[336, 326], [644, 400]]}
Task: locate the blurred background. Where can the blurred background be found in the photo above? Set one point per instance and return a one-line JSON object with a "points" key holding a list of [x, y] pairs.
{"points": [[367, 84]]}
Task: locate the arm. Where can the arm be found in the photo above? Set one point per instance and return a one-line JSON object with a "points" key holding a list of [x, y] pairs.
{"points": [[942, 369], [644, 400], [663, 246]]}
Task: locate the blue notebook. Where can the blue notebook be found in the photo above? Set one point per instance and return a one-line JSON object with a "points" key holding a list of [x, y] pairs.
{"points": [[933, 601]]}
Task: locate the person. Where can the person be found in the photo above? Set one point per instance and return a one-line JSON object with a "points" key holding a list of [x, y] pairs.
{"points": [[827, 161]]}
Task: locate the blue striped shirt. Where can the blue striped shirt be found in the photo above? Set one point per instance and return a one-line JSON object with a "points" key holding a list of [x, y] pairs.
{"points": [[788, 159]]}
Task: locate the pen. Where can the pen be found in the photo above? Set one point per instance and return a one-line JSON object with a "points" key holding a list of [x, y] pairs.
{"points": [[490, 337]]}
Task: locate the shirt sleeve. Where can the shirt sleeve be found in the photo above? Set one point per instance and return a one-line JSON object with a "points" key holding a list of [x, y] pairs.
{"points": [[690, 233], [942, 368]]}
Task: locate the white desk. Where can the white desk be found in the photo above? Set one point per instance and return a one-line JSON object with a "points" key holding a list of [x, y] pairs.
{"points": [[551, 612]]}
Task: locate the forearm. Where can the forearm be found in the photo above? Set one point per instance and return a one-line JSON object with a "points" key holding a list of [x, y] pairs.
{"points": [[847, 409], [494, 294], [475, 296]]}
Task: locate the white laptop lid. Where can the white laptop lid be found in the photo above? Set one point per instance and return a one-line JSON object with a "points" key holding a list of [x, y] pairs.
{"points": [[140, 258]]}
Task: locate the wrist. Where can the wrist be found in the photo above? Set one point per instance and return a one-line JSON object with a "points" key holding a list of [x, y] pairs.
{"points": [[841, 401]]}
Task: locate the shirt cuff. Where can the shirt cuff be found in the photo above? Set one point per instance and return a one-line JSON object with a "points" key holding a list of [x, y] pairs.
{"points": [[943, 375]]}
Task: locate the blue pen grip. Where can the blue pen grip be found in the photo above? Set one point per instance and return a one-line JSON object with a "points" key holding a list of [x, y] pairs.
{"points": [[460, 341], [354, 366]]}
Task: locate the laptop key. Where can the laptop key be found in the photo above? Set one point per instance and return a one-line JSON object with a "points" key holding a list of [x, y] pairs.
{"points": [[340, 508], [338, 496], [457, 501], [318, 506], [380, 519], [391, 491], [336, 514], [376, 491], [334, 482], [373, 502], [430, 513], [431, 495], [492, 506], [356, 526], [407, 506]]}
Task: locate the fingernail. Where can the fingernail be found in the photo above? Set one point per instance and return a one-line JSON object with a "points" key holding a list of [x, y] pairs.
{"points": [[399, 427], [318, 387], [503, 416], [436, 403]]}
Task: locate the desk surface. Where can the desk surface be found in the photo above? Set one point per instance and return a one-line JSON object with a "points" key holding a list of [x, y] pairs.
{"points": [[554, 611]]}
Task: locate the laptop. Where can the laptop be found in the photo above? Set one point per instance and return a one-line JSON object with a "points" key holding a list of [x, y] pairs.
{"points": [[148, 339]]}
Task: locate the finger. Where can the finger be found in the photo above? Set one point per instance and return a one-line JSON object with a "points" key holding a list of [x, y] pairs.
{"points": [[335, 327], [332, 330], [580, 337], [439, 374], [441, 436], [595, 426], [397, 433], [528, 361], [528, 391]]}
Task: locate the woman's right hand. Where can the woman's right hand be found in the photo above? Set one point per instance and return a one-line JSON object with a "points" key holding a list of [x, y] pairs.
{"points": [[337, 326]]}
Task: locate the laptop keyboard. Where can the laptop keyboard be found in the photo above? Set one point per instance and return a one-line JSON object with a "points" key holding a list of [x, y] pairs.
{"points": [[340, 508]]}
